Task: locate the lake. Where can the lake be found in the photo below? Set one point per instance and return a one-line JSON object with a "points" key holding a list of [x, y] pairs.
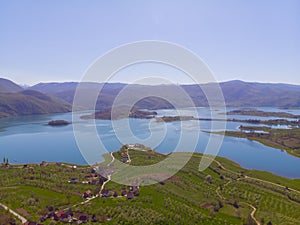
{"points": [[28, 139]]}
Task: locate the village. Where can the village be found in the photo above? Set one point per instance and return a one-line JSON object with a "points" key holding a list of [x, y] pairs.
{"points": [[98, 179]]}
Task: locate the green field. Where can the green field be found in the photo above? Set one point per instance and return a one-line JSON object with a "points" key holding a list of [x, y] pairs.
{"points": [[254, 112], [224, 193], [285, 139]]}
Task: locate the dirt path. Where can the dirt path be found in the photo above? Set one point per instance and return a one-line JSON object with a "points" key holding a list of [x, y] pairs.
{"points": [[252, 178], [253, 211], [108, 176], [102, 187], [24, 220], [129, 160], [113, 159], [252, 214]]}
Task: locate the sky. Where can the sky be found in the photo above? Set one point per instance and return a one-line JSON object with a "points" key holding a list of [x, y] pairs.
{"points": [[57, 40]]}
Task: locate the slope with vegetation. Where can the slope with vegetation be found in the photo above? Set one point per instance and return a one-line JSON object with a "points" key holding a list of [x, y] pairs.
{"points": [[224, 193], [284, 139]]}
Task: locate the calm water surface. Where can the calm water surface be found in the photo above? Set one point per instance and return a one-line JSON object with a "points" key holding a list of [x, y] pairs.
{"points": [[29, 140]]}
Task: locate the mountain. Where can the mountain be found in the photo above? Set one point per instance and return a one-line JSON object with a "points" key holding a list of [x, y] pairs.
{"points": [[58, 97], [7, 86], [239, 93], [236, 93], [14, 101]]}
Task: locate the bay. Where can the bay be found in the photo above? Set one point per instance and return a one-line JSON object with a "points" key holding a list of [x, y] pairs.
{"points": [[28, 139]]}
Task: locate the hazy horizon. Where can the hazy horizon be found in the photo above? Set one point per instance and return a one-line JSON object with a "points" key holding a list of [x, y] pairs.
{"points": [[256, 41], [120, 82]]}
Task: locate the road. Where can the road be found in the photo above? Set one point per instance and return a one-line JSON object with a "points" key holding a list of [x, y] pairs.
{"points": [[24, 220], [102, 187], [108, 176], [251, 178]]}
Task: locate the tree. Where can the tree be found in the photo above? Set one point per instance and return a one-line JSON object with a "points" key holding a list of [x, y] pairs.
{"points": [[68, 197], [208, 179], [220, 204], [235, 204]]}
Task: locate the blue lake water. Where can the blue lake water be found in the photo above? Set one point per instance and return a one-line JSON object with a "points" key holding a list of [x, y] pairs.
{"points": [[29, 140]]}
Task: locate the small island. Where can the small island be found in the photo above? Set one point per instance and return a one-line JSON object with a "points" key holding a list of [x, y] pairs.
{"points": [[255, 112], [58, 123], [120, 113], [175, 118]]}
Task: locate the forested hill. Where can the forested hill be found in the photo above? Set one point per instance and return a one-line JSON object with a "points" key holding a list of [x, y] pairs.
{"points": [[236, 93]]}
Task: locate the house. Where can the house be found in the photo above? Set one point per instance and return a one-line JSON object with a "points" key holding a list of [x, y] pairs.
{"points": [[129, 195], [115, 194], [62, 216], [125, 159], [70, 212], [89, 176], [104, 193], [52, 215], [83, 217], [73, 180], [87, 194], [43, 163], [92, 181], [124, 192], [59, 213], [136, 193]]}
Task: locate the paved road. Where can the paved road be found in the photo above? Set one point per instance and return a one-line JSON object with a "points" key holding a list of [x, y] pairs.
{"points": [[14, 213]]}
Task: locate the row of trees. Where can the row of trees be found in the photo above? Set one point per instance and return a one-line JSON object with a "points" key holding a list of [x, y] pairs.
{"points": [[5, 161]]}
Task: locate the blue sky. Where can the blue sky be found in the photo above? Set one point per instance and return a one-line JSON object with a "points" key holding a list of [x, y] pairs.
{"points": [[57, 40]]}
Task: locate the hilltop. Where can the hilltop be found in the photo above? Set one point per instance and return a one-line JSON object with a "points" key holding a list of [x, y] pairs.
{"points": [[7, 86]]}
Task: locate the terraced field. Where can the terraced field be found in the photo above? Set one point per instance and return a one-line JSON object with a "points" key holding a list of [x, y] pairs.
{"points": [[224, 193]]}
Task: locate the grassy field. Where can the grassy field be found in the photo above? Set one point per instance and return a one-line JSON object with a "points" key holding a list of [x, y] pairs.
{"points": [[285, 139], [224, 193], [254, 112]]}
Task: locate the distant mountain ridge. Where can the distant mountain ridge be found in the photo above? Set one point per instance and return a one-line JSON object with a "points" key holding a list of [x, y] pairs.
{"points": [[7, 86], [236, 93], [46, 98], [15, 101]]}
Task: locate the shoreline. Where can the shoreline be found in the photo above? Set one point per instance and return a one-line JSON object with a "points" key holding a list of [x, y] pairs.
{"points": [[80, 166]]}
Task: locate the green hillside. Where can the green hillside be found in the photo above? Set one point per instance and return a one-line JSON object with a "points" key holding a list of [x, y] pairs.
{"points": [[224, 193]]}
